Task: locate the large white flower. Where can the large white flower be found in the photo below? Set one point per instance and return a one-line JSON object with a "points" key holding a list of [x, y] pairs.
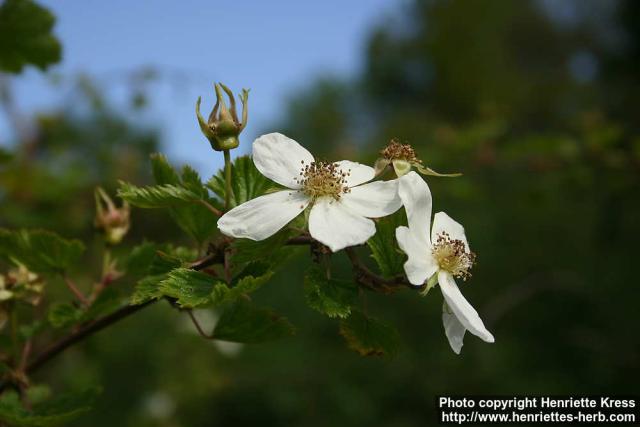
{"points": [[341, 204], [442, 251]]}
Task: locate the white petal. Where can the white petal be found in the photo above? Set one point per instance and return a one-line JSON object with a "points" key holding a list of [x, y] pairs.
{"points": [[453, 328], [420, 265], [416, 198], [334, 225], [443, 223], [373, 200], [280, 158], [263, 216], [466, 314], [357, 172]]}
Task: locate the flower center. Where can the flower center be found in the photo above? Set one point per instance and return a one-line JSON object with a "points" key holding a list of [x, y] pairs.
{"points": [[398, 151], [452, 256], [319, 179]]}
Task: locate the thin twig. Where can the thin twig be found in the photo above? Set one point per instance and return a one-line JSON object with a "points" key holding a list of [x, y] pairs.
{"points": [[195, 322], [74, 289]]}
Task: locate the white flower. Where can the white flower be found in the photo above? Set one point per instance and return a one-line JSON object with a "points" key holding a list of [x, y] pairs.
{"points": [[340, 205], [443, 251]]}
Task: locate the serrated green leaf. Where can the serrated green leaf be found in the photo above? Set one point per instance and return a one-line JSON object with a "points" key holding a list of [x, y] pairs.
{"points": [[106, 302], [189, 287], [246, 182], [157, 196], [147, 289], [384, 247], [26, 37], [246, 250], [55, 412], [137, 263], [368, 336], [329, 296], [245, 323], [252, 277], [39, 250], [62, 315], [163, 172], [192, 217]]}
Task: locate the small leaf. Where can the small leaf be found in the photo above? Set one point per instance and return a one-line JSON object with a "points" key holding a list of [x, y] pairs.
{"points": [[246, 181], [26, 37], [243, 322], [62, 315], [329, 296], [147, 289], [246, 250], [368, 336], [384, 247], [39, 250], [252, 277], [194, 218], [157, 196], [140, 258], [55, 412], [189, 287]]}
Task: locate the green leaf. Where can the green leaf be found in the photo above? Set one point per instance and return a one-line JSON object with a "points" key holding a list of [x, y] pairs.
{"points": [[384, 247], [246, 250], [246, 182], [62, 315], [368, 336], [25, 36], [157, 196], [55, 412], [138, 261], [189, 287], [329, 296], [39, 250], [147, 289], [244, 322], [252, 277], [194, 218]]}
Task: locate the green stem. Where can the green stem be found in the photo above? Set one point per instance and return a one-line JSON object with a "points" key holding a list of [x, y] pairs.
{"points": [[227, 179]]}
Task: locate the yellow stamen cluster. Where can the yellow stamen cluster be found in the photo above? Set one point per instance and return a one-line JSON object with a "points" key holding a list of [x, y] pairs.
{"points": [[398, 151], [319, 179], [452, 256]]}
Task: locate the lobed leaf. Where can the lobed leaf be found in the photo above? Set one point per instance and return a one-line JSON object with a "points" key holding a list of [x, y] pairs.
{"points": [[39, 250], [368, 336], [26, 36], [332, 297], [249, 280], [55, 412], [245, 323], [190, 288], [384, 247], [157, 196], [246, 182]]}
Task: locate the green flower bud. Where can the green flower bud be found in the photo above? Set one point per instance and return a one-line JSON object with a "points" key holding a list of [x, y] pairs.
{"points": [[402, 157], [114, 222], [223, 127]]}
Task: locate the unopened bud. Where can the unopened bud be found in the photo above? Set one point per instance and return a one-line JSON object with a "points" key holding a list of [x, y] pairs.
{"points": [[402, 157], [114, 222], [223, 127]]}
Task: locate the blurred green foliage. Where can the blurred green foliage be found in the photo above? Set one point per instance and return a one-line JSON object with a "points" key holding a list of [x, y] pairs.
{"points": [[540, 114]]}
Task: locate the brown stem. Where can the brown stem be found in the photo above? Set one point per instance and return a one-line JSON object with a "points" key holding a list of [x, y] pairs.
{"points": [[74, 289], [195, 322], [216, 255]]}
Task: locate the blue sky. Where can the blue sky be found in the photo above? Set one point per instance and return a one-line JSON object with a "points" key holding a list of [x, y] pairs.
{"points": [[272, 47]]}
